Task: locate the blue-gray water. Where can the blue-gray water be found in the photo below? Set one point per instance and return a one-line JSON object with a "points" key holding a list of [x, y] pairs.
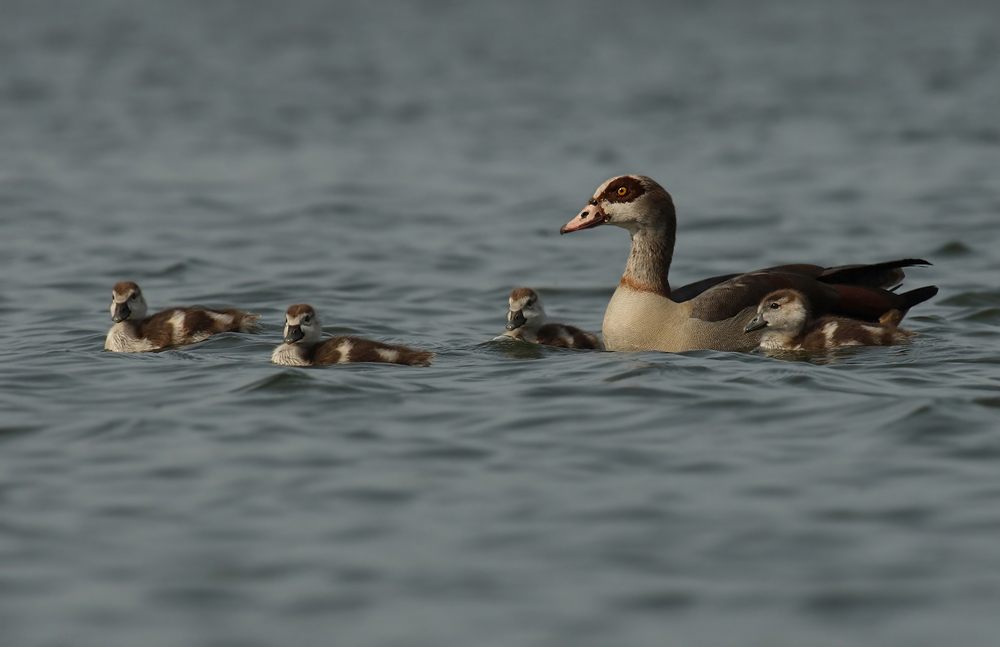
{"points": [[402, 166]]}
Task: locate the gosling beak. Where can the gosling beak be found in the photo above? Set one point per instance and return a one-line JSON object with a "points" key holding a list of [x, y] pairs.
{"points": [[293, 334], [515, 319], [756, 323], [591, 216], [121, 312]]}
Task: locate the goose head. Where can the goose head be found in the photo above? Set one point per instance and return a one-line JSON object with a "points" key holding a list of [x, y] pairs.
{"points": [[302, 324], [633, 202], [127, 302], [782, 311]]}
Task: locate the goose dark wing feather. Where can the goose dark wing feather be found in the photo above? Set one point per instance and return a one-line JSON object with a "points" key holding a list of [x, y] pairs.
{"points": [[860, 291], [874, 275], [728, 299], [691, 290]]}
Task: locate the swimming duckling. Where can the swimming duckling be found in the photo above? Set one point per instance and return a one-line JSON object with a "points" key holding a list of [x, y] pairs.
{"points": [[304, 345], [787, 325], [134, 332], [526, 322]]}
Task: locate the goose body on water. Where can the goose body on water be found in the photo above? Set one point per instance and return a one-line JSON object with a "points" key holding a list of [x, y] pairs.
{"points": [[645, 314]]}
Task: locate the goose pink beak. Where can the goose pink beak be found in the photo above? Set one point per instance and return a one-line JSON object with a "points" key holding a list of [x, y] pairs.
{"points": [[591, 216]]}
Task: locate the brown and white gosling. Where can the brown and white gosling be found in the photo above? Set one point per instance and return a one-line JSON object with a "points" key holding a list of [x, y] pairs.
{"points": [[526, 322], [304, 345], [787, 324], [134, 332]]}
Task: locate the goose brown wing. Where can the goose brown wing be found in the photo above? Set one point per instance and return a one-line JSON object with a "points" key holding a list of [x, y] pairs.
{"points": [[872, 275], [875, 275], [692, 290], [871, 304], [730, 298]]}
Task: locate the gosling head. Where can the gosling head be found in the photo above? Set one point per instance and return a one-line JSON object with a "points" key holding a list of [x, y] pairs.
{"points": [[782, 311], [127, 302], [302, 325], [525, 310]]}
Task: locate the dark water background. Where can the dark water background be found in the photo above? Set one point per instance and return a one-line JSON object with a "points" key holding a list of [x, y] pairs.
{"points": [[402, 166]]}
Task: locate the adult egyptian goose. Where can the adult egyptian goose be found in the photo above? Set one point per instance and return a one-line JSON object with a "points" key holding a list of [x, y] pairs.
{"points": [[526, 322], [304, 345], [134, 332], [644, 314], [786, 323]]}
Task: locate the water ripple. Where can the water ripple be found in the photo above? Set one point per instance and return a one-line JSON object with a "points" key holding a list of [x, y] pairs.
{"points": [[402, 174]]}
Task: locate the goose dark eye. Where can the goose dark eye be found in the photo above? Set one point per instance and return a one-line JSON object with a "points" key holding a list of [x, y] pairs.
{"points": [[775, 306], [622, 190]]}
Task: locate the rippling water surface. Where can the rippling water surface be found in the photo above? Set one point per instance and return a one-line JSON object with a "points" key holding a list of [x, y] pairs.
{"points": [[402, 166]]}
